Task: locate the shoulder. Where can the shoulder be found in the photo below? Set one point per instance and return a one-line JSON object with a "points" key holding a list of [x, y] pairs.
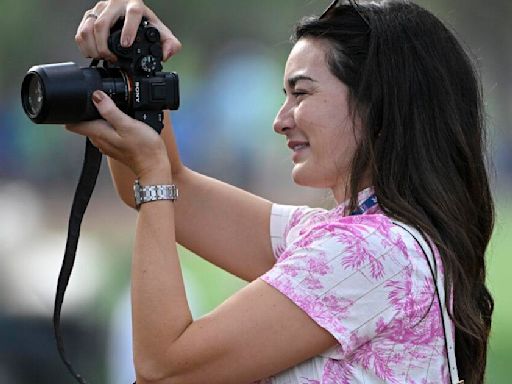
{"points": [[356, 275], [299, 221], [375, 238], [372, 244], [307, 226]]}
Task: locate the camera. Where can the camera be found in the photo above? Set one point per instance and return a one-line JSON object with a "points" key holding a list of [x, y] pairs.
{"points": [[61, 93]]}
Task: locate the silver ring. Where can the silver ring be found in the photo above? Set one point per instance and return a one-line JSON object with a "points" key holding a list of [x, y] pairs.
{"points": [[91, 15]]}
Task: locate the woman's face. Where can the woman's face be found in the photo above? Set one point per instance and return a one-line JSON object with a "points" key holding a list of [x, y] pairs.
{"points": [[315, 119]]}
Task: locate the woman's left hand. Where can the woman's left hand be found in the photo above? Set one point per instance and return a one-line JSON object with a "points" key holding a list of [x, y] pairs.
{"points": [[123, 138]]}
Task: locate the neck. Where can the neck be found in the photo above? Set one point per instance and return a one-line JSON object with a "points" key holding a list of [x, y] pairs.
{"points": [[341, 191]]}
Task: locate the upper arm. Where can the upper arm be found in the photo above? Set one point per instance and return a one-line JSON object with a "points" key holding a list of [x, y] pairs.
{"points": [[256, 333]]}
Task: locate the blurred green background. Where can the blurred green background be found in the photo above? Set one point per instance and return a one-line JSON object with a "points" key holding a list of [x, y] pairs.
{"points": [[231, 78]]}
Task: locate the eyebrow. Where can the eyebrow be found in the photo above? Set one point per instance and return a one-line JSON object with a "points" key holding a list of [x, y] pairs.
{"points": [[294, 79]]}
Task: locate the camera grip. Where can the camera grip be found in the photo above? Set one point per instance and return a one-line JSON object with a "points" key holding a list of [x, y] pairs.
{"points": [[155, 119]]}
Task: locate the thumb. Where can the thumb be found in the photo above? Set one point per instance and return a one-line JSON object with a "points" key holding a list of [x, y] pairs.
{"points": [[170, 44], [109, 110]]}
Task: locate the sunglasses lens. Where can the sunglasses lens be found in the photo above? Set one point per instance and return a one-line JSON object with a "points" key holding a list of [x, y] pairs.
{"points": [[329, 8], [352, 3]]}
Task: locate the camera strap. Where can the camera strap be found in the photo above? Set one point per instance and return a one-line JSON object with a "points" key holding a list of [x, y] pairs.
{"points": [[84, 189], [443, 306]]}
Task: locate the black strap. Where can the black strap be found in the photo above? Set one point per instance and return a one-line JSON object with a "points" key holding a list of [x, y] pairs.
{"points": [[88, 177]]}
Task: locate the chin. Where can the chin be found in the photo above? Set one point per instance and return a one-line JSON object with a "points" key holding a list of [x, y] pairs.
{"points": [[300, 182], [315, 177], [303, 178]]}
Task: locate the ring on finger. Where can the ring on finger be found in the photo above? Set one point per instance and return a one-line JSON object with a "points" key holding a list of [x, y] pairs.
{"points": [[91, 15]]}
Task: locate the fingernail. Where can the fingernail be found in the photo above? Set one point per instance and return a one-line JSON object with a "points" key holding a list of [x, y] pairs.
{"points": [[168, 54], [97, 96]]}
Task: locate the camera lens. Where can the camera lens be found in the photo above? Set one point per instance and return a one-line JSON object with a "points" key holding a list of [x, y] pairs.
{"points": [[61, 93], [35, 97]]}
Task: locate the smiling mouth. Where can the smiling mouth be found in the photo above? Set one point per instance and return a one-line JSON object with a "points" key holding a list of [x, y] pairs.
{"points": [[299, 147], [295, 147]]}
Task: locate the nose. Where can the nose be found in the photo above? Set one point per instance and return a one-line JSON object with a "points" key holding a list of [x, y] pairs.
{"points": [[284, 119]]}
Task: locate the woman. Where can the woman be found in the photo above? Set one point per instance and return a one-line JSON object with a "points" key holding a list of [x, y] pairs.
{"points": [[383, 107]]}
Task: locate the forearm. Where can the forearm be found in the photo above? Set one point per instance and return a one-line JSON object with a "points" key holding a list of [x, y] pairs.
{"points": [[123, 179], [159, 307]]}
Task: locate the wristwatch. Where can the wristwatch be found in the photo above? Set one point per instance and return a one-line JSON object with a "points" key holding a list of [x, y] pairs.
{"points": [[144, 194]]}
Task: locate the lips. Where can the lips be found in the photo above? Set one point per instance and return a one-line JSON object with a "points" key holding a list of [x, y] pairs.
{"points": [[297, 145]]}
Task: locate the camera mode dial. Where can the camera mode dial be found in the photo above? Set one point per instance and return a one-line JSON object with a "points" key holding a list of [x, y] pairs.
{"points": [[148, 64]]}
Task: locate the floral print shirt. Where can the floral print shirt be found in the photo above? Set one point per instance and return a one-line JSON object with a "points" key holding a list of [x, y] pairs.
{"points": [[367, 282]]}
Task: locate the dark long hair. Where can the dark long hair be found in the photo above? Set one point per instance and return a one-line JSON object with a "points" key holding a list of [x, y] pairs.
{"points": [[423, 140]]}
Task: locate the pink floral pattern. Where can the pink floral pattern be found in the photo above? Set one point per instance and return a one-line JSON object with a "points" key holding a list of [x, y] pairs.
{"points": [[365, 280]]}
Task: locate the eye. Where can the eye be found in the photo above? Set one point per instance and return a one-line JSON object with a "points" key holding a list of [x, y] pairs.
{"points": [[299, 93]]}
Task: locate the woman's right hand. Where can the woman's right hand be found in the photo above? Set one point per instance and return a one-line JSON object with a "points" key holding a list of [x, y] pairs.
{"points": [[92, 33]]}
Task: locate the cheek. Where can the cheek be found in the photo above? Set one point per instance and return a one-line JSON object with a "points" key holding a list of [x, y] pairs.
{"points": [[306, 117], [324, 113], [339, 146]]}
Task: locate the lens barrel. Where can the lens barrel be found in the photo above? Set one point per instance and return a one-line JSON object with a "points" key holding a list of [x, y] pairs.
{"points": [[61, 93]]}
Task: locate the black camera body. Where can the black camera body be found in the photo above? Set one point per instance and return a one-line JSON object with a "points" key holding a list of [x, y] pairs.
{"points": [[151, 89], [61, 93]]}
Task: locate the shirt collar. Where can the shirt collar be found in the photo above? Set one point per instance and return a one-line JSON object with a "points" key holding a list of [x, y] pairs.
{"points": [[361, 197]]}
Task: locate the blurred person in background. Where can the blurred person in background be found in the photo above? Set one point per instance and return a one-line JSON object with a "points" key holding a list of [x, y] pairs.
{"points": [[383, 107]]}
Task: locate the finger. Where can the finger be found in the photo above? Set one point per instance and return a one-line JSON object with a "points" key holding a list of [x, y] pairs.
{"points": [[85, 36], [111, 113], [101, 134], [98, 145], [106, 19], [133, 17], [170, 44], [106, 146], [91, 129]]}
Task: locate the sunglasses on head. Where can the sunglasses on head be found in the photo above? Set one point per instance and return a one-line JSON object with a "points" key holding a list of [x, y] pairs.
{"points": [[338, 2]]}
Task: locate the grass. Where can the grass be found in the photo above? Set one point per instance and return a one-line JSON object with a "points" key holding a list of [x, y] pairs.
{"points": [[499, 278]]}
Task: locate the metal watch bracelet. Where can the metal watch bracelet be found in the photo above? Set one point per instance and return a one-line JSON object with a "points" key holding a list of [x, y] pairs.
{"points": [[147, 193]]}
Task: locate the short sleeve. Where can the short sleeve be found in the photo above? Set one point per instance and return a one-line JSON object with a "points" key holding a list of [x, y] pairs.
{"points": [[283, 219], [346, 274]]}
